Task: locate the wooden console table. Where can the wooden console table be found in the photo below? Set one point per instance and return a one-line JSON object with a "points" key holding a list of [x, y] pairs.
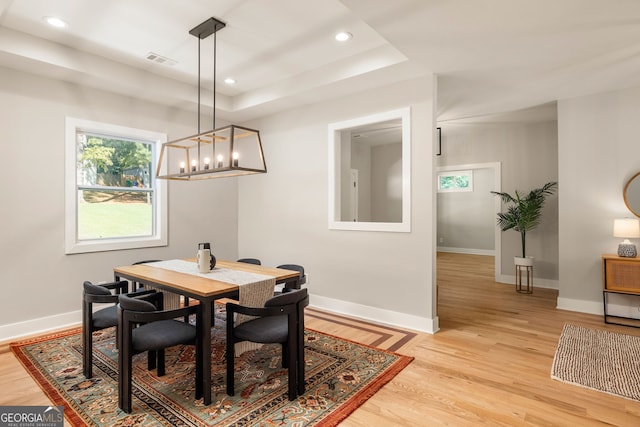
{"points": [[621, 275]]}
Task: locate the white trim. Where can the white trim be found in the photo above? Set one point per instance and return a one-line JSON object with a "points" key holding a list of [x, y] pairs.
{"points": [[582, 306], [471, 251], [40, 325], [334, 172], [374, 314], [72, 245]]}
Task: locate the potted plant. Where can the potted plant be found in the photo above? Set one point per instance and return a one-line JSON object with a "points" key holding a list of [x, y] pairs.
{"points": [[523, 214]]}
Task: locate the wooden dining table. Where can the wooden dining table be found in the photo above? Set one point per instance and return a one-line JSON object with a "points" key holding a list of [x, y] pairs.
{"points": [[203, 289]]}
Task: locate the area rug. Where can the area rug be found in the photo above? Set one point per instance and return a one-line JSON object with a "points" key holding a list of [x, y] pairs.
{"points": [[599, 360], [340, 376]]}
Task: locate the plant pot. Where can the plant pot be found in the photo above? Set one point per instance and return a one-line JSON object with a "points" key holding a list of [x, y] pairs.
{"points": [[526, 261]]}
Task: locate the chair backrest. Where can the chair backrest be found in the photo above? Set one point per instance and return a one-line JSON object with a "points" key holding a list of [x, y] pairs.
{"points": [[294, 267], [295, 282], [254, 261], [135, 304], [293, 297], [92, 289]]}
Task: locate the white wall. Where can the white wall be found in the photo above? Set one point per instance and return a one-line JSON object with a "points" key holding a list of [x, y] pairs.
{"points": [[528, 154], [598, 152], [32, 112], [284, 214]]}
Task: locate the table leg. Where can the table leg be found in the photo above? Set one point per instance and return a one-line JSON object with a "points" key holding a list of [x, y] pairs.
{"points": [[205, 334]]}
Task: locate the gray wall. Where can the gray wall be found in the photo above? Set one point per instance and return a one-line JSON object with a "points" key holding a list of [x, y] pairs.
{"points": [[386, 183], [33, 111], [284, 214], [528, 153], [598, 153]]}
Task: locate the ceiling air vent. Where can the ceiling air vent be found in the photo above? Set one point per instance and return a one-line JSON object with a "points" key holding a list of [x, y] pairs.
{"points": [[159, 59]]}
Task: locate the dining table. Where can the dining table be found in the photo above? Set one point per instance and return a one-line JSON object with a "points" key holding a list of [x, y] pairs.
{"points": [[181, 276]]}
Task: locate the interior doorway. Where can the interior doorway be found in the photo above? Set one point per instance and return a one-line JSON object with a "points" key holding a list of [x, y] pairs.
{"points": [[467, 231]]}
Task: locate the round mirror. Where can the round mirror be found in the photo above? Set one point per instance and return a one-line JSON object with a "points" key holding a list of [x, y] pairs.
{"points": [[632, 194]]}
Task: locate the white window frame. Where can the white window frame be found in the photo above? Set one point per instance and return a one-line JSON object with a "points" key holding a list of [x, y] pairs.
{"points": [[160, 229]]}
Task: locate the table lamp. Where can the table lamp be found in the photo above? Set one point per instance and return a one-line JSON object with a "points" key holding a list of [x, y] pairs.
{"points": [[626, 228]]}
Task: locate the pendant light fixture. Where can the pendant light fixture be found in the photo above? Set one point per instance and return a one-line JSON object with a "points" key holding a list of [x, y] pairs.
{"points": [[227, 151]]}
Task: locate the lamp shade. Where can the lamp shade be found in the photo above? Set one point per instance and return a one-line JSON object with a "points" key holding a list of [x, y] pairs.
{"points": [[626, 228]]}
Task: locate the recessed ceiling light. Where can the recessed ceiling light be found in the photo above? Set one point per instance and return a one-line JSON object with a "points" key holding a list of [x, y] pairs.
{"points": [[55, 22], [343, 36], [230, 81]]}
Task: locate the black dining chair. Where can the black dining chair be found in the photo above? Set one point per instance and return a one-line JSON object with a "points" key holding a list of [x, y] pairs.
{"points": [[281, 320], [294, 282], [146, 327], [254, 261], [105, 293]]}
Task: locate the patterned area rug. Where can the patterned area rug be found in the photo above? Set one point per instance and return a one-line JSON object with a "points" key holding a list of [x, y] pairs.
{"points": [[340, 376], [600, 360]]}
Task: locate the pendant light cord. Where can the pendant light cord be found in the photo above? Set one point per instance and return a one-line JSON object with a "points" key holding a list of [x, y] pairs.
{"points": [[215, 55], [198, 84]]}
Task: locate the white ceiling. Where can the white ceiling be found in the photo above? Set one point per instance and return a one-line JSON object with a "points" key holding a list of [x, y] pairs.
{"points": [[491, 56]]}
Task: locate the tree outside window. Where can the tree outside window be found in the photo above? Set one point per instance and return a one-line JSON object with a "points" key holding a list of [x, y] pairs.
{"points": [[115, 201]]}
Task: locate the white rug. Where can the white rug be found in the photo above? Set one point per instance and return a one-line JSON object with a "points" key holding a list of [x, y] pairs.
{"points": [[599, 360]]}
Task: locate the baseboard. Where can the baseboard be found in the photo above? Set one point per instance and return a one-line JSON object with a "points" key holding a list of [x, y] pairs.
{"points": [[537, 282], [618, 305], [374, 314], [582, 306], [14, 331], [469, 251]]}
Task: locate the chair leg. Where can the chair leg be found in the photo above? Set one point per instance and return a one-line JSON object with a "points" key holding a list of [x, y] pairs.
{"points": [[152, 358], [124, 376], [87, 353], [161, 369], [87, 341], [292, 349], [301, 364]]}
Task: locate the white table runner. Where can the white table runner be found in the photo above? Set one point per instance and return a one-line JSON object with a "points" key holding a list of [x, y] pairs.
{"points": [[236, 277]]}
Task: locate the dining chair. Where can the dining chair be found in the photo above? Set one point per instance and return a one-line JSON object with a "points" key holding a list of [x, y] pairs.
{"points": [[144, 326], [254, 261], [281, 321], [105, 293], [294, 282]]}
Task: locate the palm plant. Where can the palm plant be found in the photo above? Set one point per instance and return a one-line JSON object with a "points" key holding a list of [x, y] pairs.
{"points": [[523, 213]]}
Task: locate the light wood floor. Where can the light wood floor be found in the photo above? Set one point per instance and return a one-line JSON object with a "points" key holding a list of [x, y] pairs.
{"points": [[488, 365]]}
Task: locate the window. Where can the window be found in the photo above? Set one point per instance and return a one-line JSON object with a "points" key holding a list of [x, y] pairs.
{"points": [[113, 200], [455, 181]]}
